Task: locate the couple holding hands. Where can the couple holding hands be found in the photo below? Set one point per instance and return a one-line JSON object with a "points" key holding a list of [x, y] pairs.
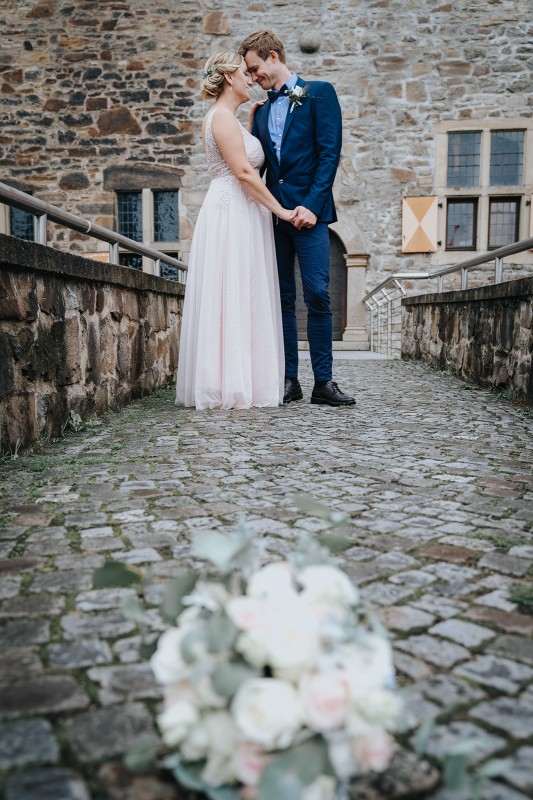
{"points": [[239, 340]]}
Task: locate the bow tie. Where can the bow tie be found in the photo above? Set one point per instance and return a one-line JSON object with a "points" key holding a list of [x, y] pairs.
{"points": [[274, 94]]}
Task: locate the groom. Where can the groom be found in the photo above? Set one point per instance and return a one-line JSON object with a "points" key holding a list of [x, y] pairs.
{"points": [[300, 129]]}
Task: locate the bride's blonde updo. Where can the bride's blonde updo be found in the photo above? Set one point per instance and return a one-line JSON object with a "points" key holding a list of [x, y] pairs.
{"points": [[218, 65]]}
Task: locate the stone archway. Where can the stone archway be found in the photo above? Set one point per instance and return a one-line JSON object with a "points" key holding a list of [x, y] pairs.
{"points": [[337, 291]]}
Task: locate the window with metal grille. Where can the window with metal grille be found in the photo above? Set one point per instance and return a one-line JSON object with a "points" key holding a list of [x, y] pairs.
{"points": [[129, 211], [506, 158], [131, 260], [461, 224], [21, 224], [464, 157], [166, 217], [504, 215]]}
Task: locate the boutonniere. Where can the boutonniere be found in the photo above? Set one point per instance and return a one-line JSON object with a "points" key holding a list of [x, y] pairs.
{"points": [[296, 95]]}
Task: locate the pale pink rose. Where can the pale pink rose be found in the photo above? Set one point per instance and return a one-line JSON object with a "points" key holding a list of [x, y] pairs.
{"points": [[246, 612], [249, 762], [373, 751], [325, 698]]}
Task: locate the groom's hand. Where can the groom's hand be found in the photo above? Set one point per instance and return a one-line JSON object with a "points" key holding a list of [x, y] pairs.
{"points": [[304, 218]]}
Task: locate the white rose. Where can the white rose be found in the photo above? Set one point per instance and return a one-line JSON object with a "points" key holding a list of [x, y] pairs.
{"points": [[251, 646], [291, 636], [380, 707], [167, 662], [322, 788], [368, 664], [325, 698], [329, 584], [266, 712], [176, 721], [222, 741], [275, 581]]}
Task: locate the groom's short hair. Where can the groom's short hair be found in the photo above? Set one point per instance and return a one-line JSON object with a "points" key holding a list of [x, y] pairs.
{"points": [[263, 42]]}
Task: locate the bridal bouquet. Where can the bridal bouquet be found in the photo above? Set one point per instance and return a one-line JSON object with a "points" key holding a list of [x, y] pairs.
{"points": [[274, 687]]}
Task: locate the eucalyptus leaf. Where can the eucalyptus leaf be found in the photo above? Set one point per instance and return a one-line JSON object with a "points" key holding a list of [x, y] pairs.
{"points": [[222, 793], [311, 506], [215, 547], [221, 633], [175, 590], [189, 643], [140, 756], [114, 574], [189, 776], [132, 608], [227, 677], [335, 542], [494, 768], [290, 772], [148, 648], [423, 735], [455, 771]]}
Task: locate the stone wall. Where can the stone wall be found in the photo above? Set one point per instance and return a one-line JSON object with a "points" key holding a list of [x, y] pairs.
{"points": [[77, 334], [87, 87], [484, 335]]}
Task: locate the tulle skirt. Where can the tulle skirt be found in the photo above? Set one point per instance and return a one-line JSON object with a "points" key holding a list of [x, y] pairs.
{"points": [[231, 344]]}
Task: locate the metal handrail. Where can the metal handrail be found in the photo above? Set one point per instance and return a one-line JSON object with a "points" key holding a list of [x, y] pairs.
{"points": [[377, 297], [43, 212]]}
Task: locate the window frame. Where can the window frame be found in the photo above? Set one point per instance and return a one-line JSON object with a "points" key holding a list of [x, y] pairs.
{"points": [[171, 248], [499, 198], [455, 201], [485, 191]]}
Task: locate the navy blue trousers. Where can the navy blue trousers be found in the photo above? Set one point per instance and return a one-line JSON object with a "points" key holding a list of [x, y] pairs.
{"points": [[311, 245]]}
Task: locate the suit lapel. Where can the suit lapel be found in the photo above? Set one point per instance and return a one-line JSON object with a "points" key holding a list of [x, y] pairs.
{"points": [[290, 114], [262, 124]]}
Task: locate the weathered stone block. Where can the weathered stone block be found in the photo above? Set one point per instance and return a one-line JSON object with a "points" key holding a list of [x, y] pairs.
{"points": [[216, 23], [18, 299], [118, 119]]}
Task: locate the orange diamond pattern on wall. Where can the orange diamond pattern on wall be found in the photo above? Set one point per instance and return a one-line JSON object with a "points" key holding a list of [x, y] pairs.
{"points": [[419, 224]]}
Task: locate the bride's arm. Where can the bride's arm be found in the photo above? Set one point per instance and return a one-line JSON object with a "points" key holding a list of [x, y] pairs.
{"points": [[228, 137]]}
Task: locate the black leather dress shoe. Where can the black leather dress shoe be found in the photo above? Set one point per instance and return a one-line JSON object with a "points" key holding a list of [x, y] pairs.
{"points": [[329, 394], [293, 390]]}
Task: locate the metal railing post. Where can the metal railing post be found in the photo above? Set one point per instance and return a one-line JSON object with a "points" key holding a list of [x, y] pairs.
{"points": [[113, 252], [157, 267], [40, 226], [464, 278], [498, 269]]}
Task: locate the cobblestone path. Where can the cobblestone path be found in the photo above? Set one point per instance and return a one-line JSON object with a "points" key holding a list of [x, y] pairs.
{"points": [[437, 482]]}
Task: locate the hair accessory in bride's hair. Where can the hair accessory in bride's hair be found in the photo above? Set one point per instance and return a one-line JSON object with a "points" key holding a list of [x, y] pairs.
{"points": [[206, 73]]}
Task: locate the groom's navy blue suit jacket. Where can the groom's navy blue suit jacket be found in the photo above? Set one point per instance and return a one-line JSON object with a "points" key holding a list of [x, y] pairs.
{"points": [[310, 151]]}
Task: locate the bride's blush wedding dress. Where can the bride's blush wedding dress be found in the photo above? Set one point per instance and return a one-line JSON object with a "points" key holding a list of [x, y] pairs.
{"points": [[231, 345]]}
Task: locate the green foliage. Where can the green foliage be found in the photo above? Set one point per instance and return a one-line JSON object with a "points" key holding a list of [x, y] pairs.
{"points": [[175, 591], [221, 633], [12, 453], [72, 423], [315, 508], [289, 773], [226, 552], [522, 595], [114, 574], [140, 756], [227, 677]]}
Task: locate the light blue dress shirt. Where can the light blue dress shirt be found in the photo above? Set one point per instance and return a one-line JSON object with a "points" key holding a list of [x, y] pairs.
{"points": [[278, 114]]}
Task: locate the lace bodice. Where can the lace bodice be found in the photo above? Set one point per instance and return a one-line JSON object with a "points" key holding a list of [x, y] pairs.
{"points": [[216, 165]]}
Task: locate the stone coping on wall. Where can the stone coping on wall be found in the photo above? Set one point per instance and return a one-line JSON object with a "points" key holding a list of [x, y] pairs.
{"points": [[521, 287], [18, 253]]}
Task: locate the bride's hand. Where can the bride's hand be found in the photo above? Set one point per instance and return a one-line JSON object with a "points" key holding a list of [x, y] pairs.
{"points": [[251, 113], [287, 215]]}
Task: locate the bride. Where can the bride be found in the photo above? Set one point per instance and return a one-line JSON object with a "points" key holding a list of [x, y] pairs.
{"points": [[231, 345]]}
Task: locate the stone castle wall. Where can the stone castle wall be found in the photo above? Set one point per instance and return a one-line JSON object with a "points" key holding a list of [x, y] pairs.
{"points": [[484, 335], [77, 335], [89, 87]]}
